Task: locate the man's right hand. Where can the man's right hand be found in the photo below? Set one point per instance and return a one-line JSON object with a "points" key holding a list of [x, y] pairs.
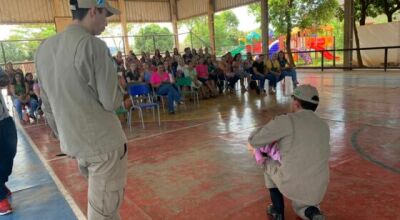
{"points": [[250, 149]]}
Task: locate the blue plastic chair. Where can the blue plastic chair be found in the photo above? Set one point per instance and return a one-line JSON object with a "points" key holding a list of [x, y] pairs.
{"points": [[140, 95]]}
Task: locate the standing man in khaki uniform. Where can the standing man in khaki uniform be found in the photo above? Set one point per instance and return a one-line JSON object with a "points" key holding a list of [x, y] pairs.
{"points": [[302, 174], [80, 92]]}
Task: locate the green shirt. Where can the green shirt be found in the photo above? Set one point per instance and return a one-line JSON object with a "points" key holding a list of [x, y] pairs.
{"points": [[19, 89]]}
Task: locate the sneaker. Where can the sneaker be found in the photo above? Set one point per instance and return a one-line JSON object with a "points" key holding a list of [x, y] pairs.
{"points": [[271, 91], [5, 207], [273, 213], [32, 116], [172, 112]]}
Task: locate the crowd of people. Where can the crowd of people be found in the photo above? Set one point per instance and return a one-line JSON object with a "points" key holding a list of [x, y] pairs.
{"points": [[81, 71], [207, 74], [164, 73], [24, 92]]}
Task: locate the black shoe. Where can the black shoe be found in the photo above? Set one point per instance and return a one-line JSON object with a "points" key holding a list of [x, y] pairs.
{"points": [[172, 112], [271, 211], [258, 91], [314, 213]]}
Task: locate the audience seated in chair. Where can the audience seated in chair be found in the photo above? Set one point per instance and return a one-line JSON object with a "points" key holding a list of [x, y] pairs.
{"points": [[21, 97], [161, 82]]}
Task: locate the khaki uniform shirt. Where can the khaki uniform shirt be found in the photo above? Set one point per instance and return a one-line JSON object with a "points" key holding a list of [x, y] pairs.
{"points": [[80, 92], [303, 141]]}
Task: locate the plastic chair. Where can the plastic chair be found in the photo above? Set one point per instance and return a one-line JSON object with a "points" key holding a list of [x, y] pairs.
{"points": [[161, 98], [141, 90], [187, 81]]}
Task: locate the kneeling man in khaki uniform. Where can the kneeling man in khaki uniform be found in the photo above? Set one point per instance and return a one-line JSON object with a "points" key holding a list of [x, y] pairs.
{"points": [[302, 174]]}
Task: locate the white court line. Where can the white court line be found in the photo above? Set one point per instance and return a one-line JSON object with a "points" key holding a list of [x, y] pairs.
{"points": [[170, 131], [57, 158], [342, 162], [77, 211]]}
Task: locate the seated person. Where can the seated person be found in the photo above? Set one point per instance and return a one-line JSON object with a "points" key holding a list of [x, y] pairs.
{"points": [[273, 68], [287, 69], [180, 68], [248, 63], [212, 66], [134, 75], [190, 72], [260, 74], [10, 71], [220, 74], [36, 91], [146, 73], [119, 61], [187, 55], [160, 80], [230, 76], [20, 96], [202, 75], [168, 69], [30, 83], [239, 70]]}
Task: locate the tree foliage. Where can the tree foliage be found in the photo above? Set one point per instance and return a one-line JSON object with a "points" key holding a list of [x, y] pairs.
{"points": [[286, 14], [16, 50], [387, 7], [153, 37], [303, 13], [226, 31], [364, 9]]}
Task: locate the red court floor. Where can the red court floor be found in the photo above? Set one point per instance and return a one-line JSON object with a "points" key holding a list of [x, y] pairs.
{"points": [[196, 165]]}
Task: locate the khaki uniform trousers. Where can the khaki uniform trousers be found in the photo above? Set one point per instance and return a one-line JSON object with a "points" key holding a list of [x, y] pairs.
{"points": [[106, 174], [299, 207]]}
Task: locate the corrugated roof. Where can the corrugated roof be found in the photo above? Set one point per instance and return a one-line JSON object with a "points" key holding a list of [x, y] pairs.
{"points": [[221, 5], [191, 8], [148, 11], [25, 11], [42, 11]]}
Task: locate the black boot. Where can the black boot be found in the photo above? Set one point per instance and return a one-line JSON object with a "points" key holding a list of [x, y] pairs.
{"points": [[277, 209], [271, 211], [313, 213]]}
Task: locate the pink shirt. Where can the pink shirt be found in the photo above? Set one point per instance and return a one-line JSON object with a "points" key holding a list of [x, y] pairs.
{"points": [[156, 79], [202, 71], [271, 150]]}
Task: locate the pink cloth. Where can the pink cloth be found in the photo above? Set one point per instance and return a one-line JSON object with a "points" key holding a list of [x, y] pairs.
{"points": [[271, 150], [156, 79], [36, 86], [202, 71]]}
